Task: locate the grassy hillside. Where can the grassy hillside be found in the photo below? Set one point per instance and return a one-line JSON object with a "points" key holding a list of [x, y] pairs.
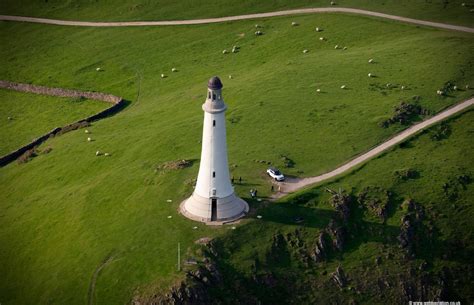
{"points": [[119, 10], [256, 265], [67, 212], [33, 115]]}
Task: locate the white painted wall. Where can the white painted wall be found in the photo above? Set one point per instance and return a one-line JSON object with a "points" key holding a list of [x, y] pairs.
{"points": [[214, 157]]}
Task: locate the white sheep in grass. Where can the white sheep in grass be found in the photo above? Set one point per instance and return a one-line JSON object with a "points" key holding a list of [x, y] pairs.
{"points": [[455, 88], [163, 76], [403, 87], [345, 48], [343, 87], [318, 29], [467, 87], [305, 51], [97, 153], [174, 70], [388, 85], [370, 75], [321, 38], [258, 33], [333, 3], [224, 52], [336, 47], [294, 23], [86, 131], [107, 154], [371, 61], [257, 26], [89, 139], [98, 69], [230, 76], [439, 92], [318, 90]]}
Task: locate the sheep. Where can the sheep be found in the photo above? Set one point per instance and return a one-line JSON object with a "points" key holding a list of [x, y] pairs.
{"points": [[345, 48], [259, 216], [162, 75], [463, 4], [319, 30], [230, 76], [371, 61], [97, 153], [305, 51], [403, 88], [10, 118], [195, 228], [174, 70], [343, 87], [258, 33], [86, 131], [321, 38], [234, 49], [98, 69], [333, 3], [169, 200], [224, 52], [107, 154], [388, 85], [257, 26], [336, 47], [89, 139], [294, 23], [318, 90], [455, 88], [233, 228], [439, 92], [169, 217], [467, 87]]}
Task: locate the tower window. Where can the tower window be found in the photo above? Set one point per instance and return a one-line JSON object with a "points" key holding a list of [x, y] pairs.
{"points": [[213, 174], [214, 123], [209, 95], [213, 96]]}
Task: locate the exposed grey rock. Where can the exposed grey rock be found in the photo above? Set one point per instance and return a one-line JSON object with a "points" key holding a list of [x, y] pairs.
{"points": [[339, 277], [320, 250]]}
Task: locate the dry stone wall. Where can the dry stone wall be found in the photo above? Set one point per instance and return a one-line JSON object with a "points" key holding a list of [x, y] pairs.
{"points": [[117, 104]]}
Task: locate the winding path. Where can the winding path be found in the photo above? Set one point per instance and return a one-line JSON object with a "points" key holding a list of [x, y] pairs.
{"points": [[294, 184], [241, 17]]}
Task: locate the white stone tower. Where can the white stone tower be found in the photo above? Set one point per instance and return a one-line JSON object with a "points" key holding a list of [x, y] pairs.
{"points": [[213, 199]]}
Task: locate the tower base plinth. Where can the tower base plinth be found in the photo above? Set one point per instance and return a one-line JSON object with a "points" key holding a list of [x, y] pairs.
{"points": [[226, 209]]}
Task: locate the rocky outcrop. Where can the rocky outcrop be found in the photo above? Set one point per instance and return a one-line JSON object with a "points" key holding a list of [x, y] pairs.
{"points": [[320, 251], [406, 235], [341, 201], [338, 234], [339, 277]]}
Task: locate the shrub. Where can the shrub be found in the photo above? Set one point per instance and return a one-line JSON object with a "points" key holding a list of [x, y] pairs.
{"points": [[27, 155], [406, 174], [441, 132]]}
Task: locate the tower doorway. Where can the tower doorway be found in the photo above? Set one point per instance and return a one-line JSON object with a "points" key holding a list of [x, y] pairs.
{"points": [[213, 209]]}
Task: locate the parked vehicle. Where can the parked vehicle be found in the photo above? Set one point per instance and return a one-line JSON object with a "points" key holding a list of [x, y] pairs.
{"points": [[275, 174]]}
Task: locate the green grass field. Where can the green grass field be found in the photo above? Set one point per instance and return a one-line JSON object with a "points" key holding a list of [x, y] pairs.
{"points": [[120, 10], [33, 115], [65, 212]]}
